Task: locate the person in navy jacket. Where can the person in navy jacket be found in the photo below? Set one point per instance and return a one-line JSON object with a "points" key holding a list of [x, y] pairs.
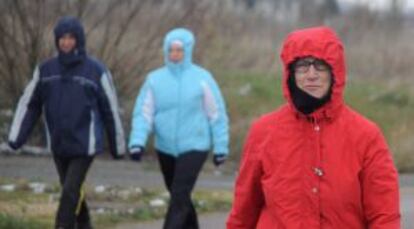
{"points": [[76, 95]]}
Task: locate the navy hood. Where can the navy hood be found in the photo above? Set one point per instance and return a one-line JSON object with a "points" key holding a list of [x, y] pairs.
{"points": [[72, 25]]}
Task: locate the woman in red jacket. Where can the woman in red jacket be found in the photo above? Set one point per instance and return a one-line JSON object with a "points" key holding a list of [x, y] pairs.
{"points": [[315, 163]]}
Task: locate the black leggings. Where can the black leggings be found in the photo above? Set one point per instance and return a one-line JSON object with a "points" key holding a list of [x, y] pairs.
{"points": [[72, 209], [180, 174]]}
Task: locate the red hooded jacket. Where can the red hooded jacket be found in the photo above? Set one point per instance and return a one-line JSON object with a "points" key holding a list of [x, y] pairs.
{"points": [[330, 169]]}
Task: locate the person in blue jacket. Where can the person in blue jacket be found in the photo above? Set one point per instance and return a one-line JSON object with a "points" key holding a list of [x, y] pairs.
{"points": [[182, 104], [76, 95]]}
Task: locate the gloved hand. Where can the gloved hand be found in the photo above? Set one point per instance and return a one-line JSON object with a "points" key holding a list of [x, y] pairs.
{"points": [[135, 153], [219, 158]]}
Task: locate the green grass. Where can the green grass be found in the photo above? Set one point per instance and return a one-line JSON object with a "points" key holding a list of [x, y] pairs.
{"points": [[13, 222], [247, 96], [21, 196], [391, 106], [24, 209], [204, 202], [210, 201]]}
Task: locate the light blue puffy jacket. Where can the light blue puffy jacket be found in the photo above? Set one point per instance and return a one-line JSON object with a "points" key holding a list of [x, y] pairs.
{"points": [[182, 104]]}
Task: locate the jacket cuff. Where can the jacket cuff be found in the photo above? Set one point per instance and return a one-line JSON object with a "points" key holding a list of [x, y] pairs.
{"points": [[13, 145], [221, 150]]}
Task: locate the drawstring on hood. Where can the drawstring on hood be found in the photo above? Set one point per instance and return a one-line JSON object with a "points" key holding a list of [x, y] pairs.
{"points": [[69, 24], [187, 40]]}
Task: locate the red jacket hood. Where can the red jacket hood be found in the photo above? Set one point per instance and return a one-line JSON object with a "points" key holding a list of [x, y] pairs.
{"points": [[322, 43]]}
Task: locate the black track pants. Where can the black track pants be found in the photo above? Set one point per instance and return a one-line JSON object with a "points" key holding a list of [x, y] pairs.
{"points": [[72, 209], [180, 175]]}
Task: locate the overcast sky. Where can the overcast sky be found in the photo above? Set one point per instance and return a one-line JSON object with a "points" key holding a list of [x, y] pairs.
{"points": [[381, 4]]}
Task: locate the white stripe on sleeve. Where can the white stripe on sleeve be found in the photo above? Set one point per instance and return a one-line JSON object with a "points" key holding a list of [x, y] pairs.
{"points": [[22, 106], [48, 140], [110, 94], [210, 104], [148, 107], [92, 138]]}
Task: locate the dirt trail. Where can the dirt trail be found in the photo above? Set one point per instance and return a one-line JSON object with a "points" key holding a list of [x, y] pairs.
{"points": [[128, 173]]}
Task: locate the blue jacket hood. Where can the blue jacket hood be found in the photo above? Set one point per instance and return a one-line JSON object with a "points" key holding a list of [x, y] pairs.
{"points": [[70, 24], [188, 40]]}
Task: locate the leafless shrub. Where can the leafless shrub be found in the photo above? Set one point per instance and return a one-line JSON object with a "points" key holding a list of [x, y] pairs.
{"points": [[127, 36]]}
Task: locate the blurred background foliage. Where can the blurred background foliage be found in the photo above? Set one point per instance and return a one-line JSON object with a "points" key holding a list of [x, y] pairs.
{"points": [[238, 40]]}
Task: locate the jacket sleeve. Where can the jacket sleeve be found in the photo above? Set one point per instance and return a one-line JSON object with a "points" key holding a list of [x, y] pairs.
{"points": [[248, 197], [215, 109], [27, 113], [380, 186], [109, 109], [142, 116]]}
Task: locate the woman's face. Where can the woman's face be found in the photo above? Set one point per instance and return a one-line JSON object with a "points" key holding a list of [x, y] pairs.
{"points": [[313, 76], [176, 52], [67, 43]]}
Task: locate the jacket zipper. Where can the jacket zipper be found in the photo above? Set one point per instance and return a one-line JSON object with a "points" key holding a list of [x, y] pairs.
{"points": [[177, 124], [318, 170]]}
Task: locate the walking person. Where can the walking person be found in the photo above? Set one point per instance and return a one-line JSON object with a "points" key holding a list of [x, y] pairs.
{"points": [[315, 162], [182, 104], [77, 98]]}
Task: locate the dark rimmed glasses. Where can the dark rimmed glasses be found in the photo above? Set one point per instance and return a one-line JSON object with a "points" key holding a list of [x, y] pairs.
{"points": [[303, 65]]}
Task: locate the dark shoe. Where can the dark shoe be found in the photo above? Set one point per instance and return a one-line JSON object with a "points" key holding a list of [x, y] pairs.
{"points": [[64, 227], [84, 225]]}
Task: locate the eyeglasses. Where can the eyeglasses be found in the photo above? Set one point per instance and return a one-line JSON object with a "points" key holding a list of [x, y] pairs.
{"points": [[303, 65]]}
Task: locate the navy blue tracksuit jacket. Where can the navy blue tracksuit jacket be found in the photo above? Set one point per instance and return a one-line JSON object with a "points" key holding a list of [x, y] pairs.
{"points": [[78, 101]]}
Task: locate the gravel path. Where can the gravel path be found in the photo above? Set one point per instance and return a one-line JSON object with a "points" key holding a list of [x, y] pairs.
{"points": [[207, 221], [103, 172], [128, 173]]}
